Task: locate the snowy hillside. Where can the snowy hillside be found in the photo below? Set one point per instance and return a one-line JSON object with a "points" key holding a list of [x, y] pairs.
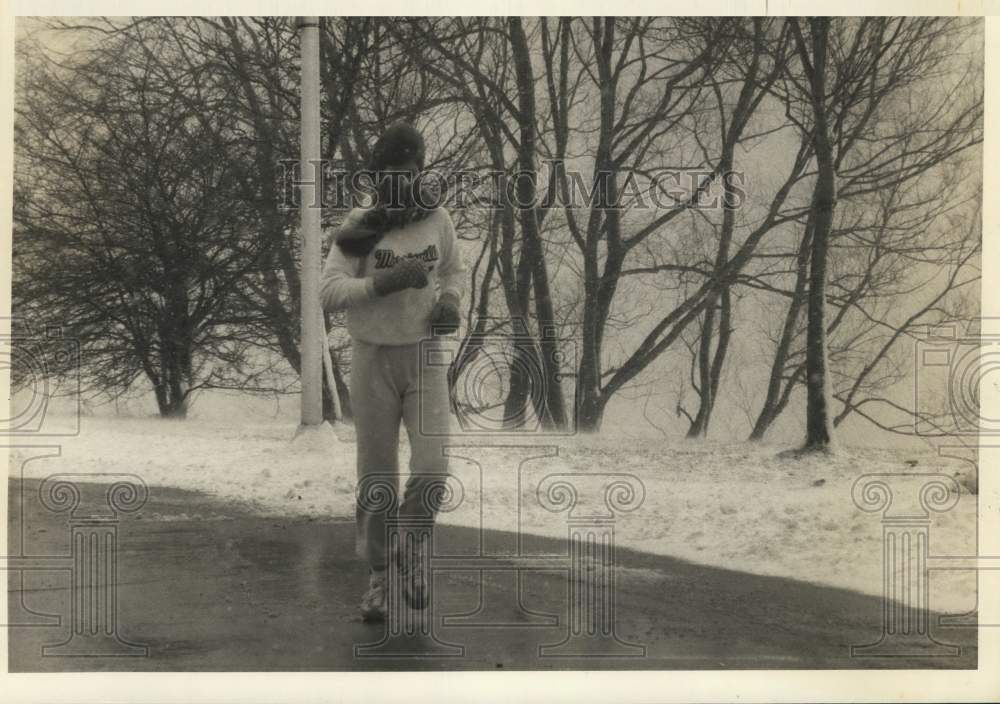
{"points": [[739, 505]]}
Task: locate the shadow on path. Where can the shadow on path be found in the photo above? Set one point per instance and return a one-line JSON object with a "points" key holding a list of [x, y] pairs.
{"points": [[209, 586]]}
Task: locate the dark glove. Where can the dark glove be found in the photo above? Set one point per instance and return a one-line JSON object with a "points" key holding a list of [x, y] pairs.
{"points": [[445, 316], [407, 273]]}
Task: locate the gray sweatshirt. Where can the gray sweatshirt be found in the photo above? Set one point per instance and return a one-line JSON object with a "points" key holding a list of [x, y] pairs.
{"points": [[403, 317]]}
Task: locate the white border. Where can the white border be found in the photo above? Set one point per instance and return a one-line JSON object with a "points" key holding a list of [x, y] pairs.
{"points": [[603, 686]]}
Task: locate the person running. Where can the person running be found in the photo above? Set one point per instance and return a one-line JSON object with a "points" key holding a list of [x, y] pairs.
{"points": [[396, 270]]}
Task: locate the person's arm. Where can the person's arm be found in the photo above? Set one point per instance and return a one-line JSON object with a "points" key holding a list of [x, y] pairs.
{"points": [[340, 287], [446, 316]]}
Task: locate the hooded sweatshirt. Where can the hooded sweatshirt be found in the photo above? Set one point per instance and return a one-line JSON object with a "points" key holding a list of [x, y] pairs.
{"points": [[402, 317]]}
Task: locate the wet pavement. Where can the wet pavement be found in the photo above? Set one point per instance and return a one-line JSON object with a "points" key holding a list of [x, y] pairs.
{"points": [[208, 585]]}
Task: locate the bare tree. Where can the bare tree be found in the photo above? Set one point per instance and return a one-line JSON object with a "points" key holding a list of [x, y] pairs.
{"points": [[127, 232], [819, 430], [716, 324], [474, 57], [652, 81], [881, 148]]}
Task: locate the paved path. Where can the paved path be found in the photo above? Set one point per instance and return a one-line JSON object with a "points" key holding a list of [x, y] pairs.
{"points": [[206, 585]]}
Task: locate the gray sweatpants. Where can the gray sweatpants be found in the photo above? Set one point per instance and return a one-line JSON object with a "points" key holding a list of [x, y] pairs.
{"points": [[389, 383]]}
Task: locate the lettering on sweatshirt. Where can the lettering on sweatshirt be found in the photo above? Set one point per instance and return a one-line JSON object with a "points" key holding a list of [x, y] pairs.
{"points": [[386, 258]]}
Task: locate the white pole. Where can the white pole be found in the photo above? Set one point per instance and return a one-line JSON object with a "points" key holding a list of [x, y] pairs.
{"points": [[309, 193]]}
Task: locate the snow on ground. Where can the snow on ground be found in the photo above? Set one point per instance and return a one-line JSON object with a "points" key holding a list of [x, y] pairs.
{"points": [[739, 506]]}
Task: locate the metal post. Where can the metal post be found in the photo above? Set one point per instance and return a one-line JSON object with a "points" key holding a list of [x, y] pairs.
{"points": [[309, 193]]}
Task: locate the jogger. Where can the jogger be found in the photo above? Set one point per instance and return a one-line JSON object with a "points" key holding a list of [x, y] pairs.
{"points": [[396, 270]]}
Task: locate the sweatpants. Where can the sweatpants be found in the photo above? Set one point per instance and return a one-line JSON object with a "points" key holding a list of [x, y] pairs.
{"points": [[390, 383]]}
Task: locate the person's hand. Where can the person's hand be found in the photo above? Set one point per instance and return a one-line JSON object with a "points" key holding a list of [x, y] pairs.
{"points": [[445, 316], [407, 273]]}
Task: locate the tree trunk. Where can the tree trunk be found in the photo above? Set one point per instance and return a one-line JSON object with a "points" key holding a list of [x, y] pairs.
{"points": [[551, 409], [174, 342], [590, 413], [772, 407], [819, 432], [175, 408], [710, 365], [699, 426], [475, 337], [172, 389], [521, 382]]}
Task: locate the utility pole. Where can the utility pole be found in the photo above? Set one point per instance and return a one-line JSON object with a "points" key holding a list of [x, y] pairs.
{"points": [[309, 210]]}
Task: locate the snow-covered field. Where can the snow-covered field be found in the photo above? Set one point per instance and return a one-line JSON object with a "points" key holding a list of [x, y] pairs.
{"points": [[739, 505]]}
